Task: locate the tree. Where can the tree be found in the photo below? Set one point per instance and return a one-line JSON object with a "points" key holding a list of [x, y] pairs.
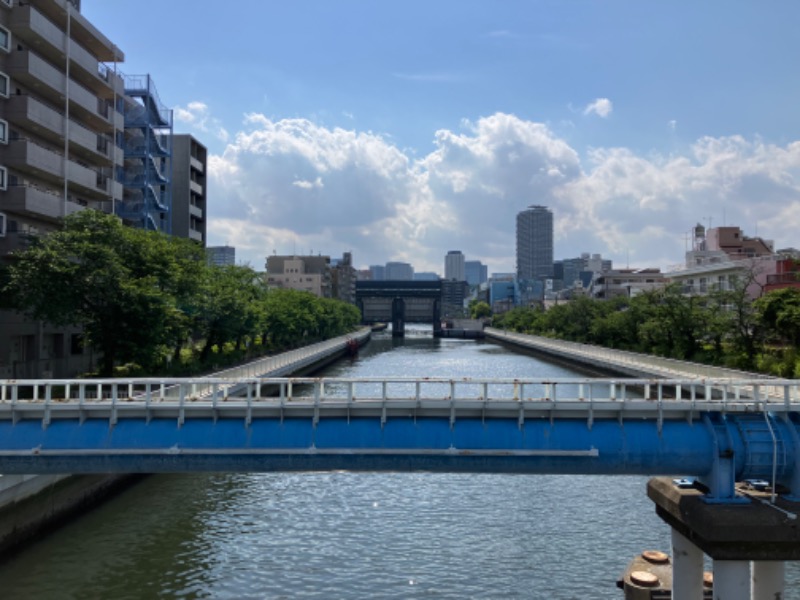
{"points": [[117, 283], [779, 314], [480, 310], [228, 310]]}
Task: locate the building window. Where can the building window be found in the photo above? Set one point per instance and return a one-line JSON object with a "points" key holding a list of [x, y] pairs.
{"points": [[2, 225], [3, 131], [3, 178], [76, 344], [5, 39], [4, 85]]}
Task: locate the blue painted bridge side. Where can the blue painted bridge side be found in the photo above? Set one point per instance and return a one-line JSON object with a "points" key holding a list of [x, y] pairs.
{"points": [[563, 445], [720, 431]]}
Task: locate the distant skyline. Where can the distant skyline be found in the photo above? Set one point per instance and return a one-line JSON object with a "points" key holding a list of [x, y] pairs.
{"points": [[401, 131]]}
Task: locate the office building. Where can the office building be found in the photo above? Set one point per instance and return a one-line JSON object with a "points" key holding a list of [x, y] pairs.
{"points": [[454, 266], [378, 272], [221, 255], [454, 296], [476, 272], [343, 279], [189, 202], [304, 273], [535, 244], [426, 276], [399, 271], [59, 127]]}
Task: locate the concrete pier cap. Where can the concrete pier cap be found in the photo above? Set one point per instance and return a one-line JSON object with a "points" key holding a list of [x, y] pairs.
{"points": [[758, 530]]}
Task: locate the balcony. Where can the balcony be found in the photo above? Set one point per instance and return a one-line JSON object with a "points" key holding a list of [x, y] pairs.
{"points": [[196, 164], [29, 157], [14, 242], [197, 236], [50, 41], [196, 188], [33, 114], [97, 43], [37, 203], [195, 211], [49, 82]]}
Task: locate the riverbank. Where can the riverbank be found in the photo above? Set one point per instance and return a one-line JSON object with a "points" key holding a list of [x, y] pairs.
{"points": [[33, 505]]}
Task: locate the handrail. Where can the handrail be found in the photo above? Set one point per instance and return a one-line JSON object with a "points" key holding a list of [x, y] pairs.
{"points": [[727, 395], [657, 364]]}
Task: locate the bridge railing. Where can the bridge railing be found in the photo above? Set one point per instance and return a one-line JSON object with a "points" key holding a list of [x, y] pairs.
{"points": [[669, 367], [661, 394], [274, 365]]}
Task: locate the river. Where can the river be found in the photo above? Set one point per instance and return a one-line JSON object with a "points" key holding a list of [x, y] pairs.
{"points": [[366, 535]]}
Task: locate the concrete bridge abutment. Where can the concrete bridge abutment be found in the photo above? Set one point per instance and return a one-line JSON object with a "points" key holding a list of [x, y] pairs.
{"points": [[748, 541]]}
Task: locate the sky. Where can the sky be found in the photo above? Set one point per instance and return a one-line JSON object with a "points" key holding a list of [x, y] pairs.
{"points": [[401, 130]]}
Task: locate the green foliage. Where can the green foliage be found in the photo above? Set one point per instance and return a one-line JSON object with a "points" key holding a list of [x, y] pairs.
{"points": [[724, 328], [142, 296], [480, 310], [778, 313]]}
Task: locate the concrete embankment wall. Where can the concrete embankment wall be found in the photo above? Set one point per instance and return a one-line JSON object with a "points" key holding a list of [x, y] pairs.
{"points": [[607, 361], [31, 505]]}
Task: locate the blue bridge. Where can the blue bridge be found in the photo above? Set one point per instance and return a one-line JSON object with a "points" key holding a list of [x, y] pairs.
{"points": [[720, 431]]}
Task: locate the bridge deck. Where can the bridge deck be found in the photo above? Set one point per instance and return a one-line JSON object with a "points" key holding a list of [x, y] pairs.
{"points": [[723, 430]]}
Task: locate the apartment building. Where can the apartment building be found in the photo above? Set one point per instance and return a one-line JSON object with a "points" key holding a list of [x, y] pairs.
{"points": [[189, 162], [304, 273], [60, 123], [58, 109]]}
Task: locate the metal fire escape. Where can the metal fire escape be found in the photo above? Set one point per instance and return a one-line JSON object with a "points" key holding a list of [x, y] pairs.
{"points": [[147, 174]]}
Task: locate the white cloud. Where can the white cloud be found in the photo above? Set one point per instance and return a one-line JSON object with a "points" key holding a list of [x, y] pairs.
{"points": [[198, 116], [293, 185], [601, 107]]}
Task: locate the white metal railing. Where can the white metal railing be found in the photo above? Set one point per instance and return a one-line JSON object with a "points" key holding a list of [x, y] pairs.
{"points": [[277, 365], [710, 394]]}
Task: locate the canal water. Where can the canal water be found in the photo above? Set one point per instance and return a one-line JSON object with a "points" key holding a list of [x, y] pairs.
{"points": [[347, 535]]}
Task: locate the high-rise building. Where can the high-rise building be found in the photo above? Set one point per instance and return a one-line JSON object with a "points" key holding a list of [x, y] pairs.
{"points": [[476, 272], [221, 255], [535, 243], [378, 272], [59, 133], [399, 271], [343, 279], [454, 266], [189, 188], [426, 276]]}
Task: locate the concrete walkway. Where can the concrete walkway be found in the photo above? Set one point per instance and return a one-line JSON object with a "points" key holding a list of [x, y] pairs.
{"points": [[631, 364]]}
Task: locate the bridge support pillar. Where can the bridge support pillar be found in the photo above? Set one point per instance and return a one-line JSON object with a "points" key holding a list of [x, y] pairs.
{"points": [[731, 580], [768, 579], [398, 317], [734, 535], [687, 568]]}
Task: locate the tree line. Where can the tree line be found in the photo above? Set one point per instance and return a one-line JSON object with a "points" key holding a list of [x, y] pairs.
{"points": [[723, 328], [143, 298]]}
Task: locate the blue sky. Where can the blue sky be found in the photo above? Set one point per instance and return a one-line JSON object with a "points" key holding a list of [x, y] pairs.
{"points": [[399, 131]]}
